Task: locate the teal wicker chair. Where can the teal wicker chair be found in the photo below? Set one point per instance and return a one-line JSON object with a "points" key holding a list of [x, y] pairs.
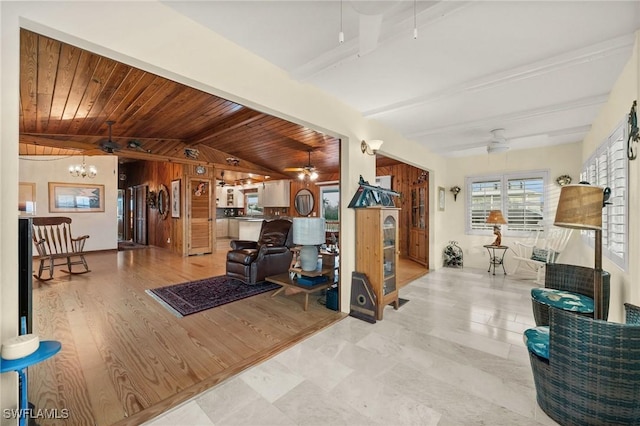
{"points": [[632, 313], [592, 375], [574, 279]]}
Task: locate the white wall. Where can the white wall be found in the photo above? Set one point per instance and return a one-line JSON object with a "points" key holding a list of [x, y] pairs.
{"points": [[624, 285], [102, 227], [155, 38], [559, 160]]}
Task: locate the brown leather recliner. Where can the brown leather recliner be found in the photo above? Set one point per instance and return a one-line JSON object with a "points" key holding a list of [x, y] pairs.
{"points": [[252, 261]]}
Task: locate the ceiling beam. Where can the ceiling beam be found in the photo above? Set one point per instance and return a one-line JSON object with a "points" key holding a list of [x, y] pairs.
{"points": [[216, 159]]}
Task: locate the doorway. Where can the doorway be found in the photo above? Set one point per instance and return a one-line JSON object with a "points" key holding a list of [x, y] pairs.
{"points": [[137, 223], [199, 217]]}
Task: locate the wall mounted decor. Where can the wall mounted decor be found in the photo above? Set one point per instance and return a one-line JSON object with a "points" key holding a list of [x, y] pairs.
{"points": [[563, 180], [75, 198], [633, 136], [175, 198], [455, 190], [369, 195], [441, 198], [27, 198], [163, 202]]}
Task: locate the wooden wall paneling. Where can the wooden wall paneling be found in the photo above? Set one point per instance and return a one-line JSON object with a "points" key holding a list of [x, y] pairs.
{"points": [[168, 233], [297, 185], [178, 224], [403, 176]]}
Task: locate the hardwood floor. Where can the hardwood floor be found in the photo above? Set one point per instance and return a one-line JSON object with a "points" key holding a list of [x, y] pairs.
{"points": [[125, 358]]}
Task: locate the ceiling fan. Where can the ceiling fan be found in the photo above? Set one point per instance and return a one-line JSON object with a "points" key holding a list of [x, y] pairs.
{"points": [[109, 146], [307, 172], [136, 145], [498, 142]]}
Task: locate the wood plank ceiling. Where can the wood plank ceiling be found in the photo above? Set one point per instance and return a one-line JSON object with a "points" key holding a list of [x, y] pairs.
{"points": [[67, 96]]}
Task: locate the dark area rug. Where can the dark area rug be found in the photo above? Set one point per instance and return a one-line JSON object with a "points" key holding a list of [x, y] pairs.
{"points": [[129, 245], [195, 296]]}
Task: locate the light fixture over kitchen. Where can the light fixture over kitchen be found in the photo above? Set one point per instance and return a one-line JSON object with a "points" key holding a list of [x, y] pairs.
{"points": [[306, 173]]}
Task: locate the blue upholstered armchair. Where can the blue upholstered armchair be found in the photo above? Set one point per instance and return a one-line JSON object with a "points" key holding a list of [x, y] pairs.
{"points": [[588, 371]]}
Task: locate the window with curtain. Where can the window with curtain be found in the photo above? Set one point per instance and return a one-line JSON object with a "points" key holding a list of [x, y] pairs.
{"points": [[520, 197], [607, 167]]}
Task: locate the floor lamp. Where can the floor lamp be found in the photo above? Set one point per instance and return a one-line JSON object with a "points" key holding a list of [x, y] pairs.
{"points": [[580, 207]]}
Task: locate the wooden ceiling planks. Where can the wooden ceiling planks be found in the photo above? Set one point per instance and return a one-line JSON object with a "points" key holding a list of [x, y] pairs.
{"points": [[67, 95]]}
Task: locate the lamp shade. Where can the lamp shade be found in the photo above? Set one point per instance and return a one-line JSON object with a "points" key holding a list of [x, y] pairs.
{"points": [[495, 217], [308, 231], [375, 144], [580, 207]]}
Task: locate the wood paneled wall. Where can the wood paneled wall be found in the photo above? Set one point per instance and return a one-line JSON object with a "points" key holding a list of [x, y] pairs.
{"points": [[402, 177], [297, 185], [168, 232]]}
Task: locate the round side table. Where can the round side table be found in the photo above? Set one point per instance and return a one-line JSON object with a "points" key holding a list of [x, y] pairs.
{"points": [[46, 350]]}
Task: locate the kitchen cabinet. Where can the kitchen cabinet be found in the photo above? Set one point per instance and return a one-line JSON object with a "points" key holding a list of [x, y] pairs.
{"points": [[249, 229], [220, 196], [276, 194], [238, 197], [234, 229], [222, 228]]}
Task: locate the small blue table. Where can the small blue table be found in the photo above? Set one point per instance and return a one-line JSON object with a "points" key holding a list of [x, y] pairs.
{"points": [[46, 350]]}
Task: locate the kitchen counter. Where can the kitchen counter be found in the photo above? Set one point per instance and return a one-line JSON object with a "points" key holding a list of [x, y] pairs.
{"points": [[249, 229]]}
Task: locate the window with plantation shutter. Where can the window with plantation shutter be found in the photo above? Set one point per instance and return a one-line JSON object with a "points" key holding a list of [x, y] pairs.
{"points": [[607, 167], [520, 196]]}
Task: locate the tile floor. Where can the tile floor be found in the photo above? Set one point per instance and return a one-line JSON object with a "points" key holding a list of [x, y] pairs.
{"points": [[453, 355]]}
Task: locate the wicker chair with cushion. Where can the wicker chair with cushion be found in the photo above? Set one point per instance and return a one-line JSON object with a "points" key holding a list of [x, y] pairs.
{"points": [[592, 373], [252, 261], [568, 283]]}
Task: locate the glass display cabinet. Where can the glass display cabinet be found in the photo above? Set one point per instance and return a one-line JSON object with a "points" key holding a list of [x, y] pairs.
{"points": [[377, 252]]}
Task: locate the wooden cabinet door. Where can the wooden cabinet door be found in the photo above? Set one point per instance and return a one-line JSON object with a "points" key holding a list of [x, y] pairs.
{"points": [[199, 217], [418, 244], [413, 244]]}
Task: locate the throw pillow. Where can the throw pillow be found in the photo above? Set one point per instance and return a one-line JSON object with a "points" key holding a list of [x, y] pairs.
{"points": [[541, 255]]}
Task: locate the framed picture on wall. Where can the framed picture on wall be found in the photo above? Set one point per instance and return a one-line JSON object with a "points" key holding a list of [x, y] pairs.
{"points": [[175, 198], [75, 198], [27, 198], [441, 198]]}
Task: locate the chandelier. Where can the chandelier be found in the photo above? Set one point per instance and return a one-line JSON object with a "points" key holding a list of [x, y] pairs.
{"points": [[81, 170]]}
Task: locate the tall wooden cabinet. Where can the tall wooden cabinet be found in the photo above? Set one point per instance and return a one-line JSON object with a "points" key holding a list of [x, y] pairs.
{"points": [[418, 244], [377, 252]]}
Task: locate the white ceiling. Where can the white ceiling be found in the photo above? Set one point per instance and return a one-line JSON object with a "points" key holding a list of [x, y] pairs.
{"points": [[541, 70]]}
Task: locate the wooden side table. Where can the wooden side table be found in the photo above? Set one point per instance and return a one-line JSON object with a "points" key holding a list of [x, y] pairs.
{"points": [[286, 281], [496, 259]]}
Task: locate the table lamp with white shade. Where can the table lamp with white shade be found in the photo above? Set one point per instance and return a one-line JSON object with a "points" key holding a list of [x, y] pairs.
{"points": [[309, 233]]}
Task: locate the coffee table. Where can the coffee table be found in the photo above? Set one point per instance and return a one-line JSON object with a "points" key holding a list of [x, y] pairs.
{"points": [[286, 281]]}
